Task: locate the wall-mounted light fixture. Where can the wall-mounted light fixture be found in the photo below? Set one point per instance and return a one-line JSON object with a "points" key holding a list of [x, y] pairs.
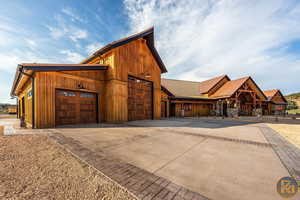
{"points": [[80, 86]]}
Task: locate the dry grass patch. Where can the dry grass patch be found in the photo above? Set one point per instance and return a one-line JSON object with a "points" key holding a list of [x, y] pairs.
{"points": [[33, 167], [291, 132]]}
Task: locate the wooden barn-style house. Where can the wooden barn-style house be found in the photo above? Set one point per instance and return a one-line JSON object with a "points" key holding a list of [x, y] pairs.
{"points": [[218, 96], [119, 82], [276, 103], [122, 82]]}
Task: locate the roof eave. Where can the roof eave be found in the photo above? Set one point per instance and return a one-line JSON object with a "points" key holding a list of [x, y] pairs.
{"points": [[148, 35], [191, 98], [50, 67]]}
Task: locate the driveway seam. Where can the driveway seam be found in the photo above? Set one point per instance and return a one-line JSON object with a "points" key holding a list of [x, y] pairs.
{"points": [[177, 157], [260, 144]]}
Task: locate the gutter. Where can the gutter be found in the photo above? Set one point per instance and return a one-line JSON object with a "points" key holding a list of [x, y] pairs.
{"points": [[32, 91]]}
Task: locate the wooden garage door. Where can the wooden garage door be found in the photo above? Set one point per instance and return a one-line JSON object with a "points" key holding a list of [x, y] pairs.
{"points": [[75, 107], [139, 99]]}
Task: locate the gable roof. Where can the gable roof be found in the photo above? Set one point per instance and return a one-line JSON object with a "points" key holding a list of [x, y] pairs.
{"points": [[147, 34], [206, 86], [181, 88], [229, 88], [271, 93]]}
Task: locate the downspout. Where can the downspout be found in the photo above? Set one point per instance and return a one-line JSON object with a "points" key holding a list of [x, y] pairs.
{"points": [[32, 91]]}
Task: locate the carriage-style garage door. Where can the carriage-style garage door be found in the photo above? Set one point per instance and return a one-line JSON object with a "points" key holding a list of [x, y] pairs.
{"points": [[75, 107], [139, 99]]}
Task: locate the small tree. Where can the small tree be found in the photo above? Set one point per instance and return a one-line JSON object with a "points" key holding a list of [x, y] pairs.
{"points": [[292, 105]]}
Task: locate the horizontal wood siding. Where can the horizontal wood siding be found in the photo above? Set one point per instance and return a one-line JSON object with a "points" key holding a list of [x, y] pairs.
{"points": [[201, 109], [198, 109]]}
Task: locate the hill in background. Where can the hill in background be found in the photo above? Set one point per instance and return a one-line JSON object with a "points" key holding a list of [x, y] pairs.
{"points": [[293, 96], [294, 99]]}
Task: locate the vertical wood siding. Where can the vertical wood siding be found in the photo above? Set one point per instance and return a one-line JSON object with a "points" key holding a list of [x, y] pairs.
{"points": [[47, 82], [111, 85]]}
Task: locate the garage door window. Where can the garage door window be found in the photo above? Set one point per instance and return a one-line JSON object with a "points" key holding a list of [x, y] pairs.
{"points": [[67, 94], [86, 95]]}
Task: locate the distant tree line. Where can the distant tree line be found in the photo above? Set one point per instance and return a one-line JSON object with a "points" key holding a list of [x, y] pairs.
{"points": [[292, 105]]}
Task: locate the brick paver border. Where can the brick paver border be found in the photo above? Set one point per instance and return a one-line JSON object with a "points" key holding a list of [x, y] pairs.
{"points": [[141, 183], [288, 153]]}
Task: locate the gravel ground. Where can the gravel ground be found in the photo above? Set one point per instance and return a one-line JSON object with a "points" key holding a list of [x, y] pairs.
{"points": [[290, 132], [34, 167], [7, 116]]}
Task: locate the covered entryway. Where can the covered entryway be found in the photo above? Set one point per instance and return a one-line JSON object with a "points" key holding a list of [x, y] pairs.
{"points": [[140, 104], [72, 107]]}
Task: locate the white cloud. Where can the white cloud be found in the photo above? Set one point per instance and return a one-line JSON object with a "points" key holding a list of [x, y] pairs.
{"points": [[72, 57], [198, 39], [31, 44], [9, 62], [66, 29], [77, 34], [56, 32], [5, 94], [91, 48], [71, 13], [73, 33]]}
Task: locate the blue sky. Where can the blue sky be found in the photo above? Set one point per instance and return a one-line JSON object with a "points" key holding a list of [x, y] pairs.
{"points": [[197, 39]]}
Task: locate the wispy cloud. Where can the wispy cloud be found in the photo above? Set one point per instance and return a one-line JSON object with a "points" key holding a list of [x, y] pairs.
{"points": [[31, 43], [199, 39], [56, 32], [66, 29], [77, 34], [91, 48], [71, 13], [71, 56]]}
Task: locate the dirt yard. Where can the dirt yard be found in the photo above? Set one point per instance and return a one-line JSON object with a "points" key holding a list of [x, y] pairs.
{"points": [[290, 132], [33, 167]]}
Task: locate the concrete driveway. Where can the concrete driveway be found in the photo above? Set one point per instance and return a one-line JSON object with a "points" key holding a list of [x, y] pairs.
{"points": [[217, 159]]}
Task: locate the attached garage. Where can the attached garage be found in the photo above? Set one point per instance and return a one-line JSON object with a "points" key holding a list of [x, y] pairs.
{"points": [[73, 107], [140, 99]]}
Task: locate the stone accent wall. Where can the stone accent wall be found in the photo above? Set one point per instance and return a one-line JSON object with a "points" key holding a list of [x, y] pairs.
{"points": [[219, 108], [279, 112], [257, 112], [232, 112]]}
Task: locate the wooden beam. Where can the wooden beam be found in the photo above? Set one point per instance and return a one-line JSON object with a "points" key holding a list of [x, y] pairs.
{"points": [[61, 74]]}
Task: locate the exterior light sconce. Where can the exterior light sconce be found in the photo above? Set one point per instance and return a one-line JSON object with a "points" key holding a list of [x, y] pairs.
{"points": [[146, 75], [80, 86]]}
